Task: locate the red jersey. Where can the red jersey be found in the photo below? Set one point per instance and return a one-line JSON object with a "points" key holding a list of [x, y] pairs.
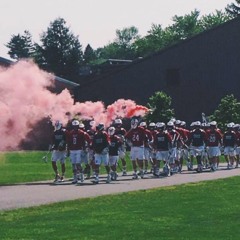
{"points": [[76, 139], [149, 137], [136, 136], [214, 138]]}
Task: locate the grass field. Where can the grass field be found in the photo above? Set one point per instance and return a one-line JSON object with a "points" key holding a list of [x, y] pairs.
{"points": [[28, 166], [205, 210]]}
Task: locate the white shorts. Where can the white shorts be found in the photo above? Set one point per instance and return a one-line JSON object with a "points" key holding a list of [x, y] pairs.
{"points": [[84, 157], [147, 153], [238, 151], [121, 153], [113, 160], [197, 151], [229, 151], [173, 155], [101, 158], [162, 155], [184, 153], [75, 156], [214, 152], [58, 155], [137, 153]]}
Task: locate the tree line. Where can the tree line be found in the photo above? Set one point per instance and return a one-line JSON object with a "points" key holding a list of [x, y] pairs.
{"points": [[160, 105], [61, 53]]}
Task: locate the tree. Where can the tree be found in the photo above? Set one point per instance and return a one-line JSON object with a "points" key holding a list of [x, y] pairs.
{"points": [[61, 51], [21, 46], [227, 111], [185, 26], [213, 19], [122, 47], [233, 9], [160, 103], [89, 54]]}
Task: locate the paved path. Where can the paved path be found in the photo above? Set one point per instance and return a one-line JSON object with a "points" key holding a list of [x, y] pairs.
{"points": [[39, 193]]}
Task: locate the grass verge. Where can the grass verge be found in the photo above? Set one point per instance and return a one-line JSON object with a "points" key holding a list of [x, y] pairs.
{"points": [[204, 210]]}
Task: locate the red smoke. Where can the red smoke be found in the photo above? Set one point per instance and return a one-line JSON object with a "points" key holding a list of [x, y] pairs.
{"points": [[25, 100]]}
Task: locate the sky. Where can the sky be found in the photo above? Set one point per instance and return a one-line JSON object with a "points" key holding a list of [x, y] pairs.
{"points": [[94, 21]]}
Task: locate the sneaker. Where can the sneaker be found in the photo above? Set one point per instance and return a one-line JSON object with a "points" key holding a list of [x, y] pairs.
{"points": [[75, 180], [145, 171], [57, 178], [81, 177], [96, 180], [108, 178], [62, 178], [213, 168], [135, 176]]}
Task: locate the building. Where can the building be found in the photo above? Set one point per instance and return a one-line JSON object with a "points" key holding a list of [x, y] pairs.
{"points": [[39, 137], [196, 73], [60, 83]]}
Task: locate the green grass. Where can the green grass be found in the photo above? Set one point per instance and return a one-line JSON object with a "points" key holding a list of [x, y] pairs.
{"points": [[28, 166], [205, 210]]}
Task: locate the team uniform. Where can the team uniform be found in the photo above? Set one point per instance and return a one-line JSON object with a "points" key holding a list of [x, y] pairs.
{"points": [[213, 143], [121, 132], [100, 146], [136, 137], [76, 142], [58, 144], [115, 143], [197, 140], [162, 143], [229, 144]]}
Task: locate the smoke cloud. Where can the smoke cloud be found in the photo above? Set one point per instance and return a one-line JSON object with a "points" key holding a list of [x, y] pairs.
{"points": [[25, 100]]}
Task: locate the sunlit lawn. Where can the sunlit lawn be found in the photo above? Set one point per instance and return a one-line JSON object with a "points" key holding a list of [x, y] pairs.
{"points": [[205, 210]]}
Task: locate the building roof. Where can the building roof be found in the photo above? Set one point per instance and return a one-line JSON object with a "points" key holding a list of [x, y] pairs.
{"points": [[7, 62]]}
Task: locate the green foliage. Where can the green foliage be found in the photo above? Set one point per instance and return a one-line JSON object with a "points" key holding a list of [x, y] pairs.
{"points": [[190, 211], [233, 9], [160, 103], [21, 46], [227, 111], [183, 27], [89, 55], [122, 47], [60, 51], [211, 20]]}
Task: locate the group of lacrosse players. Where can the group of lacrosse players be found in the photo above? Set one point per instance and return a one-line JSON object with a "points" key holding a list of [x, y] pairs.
{"points": [[155, 148]]}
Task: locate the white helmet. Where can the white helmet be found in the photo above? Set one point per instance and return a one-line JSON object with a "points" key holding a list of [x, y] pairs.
{"points": [[213, 123], [143, 124], [58, 125], [160, 125], [134, 123], [75, 123], [183, 123], [111, 131], [92, 123], [118, 121], [170, 124], [152, 124], [230, 125], [178, 122], [197, 123]]}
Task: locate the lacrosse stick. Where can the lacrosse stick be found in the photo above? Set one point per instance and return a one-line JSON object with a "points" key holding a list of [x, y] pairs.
{"points": [[45, 157]]}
